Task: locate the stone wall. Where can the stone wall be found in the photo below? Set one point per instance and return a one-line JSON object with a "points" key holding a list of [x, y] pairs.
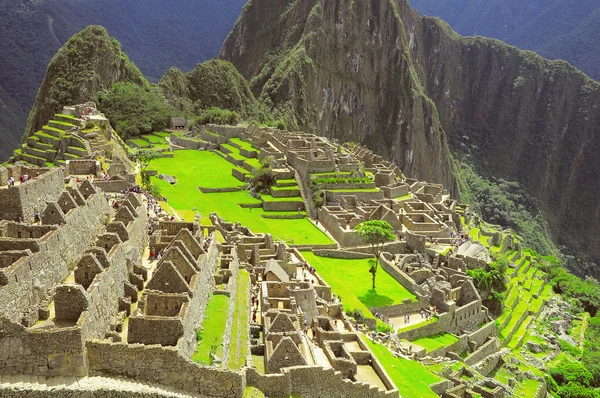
{"points": [[316, 382], [103, 309], [112, 185], [486, 349], [481, 335], [162, 365], [401, 277], [21, 201], [44, 352], [30, 278], [345, 254]]}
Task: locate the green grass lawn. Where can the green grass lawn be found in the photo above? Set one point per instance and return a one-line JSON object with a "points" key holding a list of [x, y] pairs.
{"points": [[213, 329], [404, 197], [269, 198], [355, 190], [139, 142], [254, 162], [410, 377], [352, 281], [243, 144], [203, 168], [155, 139], [239, 330], [436, 341], [162, 134]]}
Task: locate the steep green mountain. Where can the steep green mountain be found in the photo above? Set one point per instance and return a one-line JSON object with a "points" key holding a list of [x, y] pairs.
{"points": [[409, 87], [211, 83], [89, 62], [310, 62], [555, 29], [155, 34]]}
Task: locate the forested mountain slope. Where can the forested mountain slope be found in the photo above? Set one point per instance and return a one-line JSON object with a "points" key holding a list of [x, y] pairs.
{"points": [[155, 34], [555, 29]]}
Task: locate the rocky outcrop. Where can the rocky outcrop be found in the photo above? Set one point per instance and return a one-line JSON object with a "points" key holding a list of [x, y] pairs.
{"points": [[90, 61], [343, 69], [408, 87]]}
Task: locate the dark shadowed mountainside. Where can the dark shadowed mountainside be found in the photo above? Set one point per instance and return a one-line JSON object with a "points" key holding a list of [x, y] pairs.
{"points": [[555, 29]]}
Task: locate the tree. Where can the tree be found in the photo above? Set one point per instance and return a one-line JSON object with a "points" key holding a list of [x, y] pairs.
{"points": [[144, 157], [264, 177], [375, 233]]}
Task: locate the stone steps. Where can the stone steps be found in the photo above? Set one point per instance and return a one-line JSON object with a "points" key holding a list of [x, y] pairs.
{"points": [[53, 131], [40, 145], [64, 126], [47, 155], [68, 119], [34, 159]]}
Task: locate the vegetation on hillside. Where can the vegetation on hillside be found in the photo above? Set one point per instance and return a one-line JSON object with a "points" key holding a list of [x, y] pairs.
{"points": [[506, 204], [134, 110], [554, 28], [491, 283], [89, 62]]}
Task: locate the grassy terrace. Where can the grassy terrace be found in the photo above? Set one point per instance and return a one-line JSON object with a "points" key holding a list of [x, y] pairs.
{"points": [[140, 142], [242, 144], [213, 329], [239, 330], [269, 198], [410, 377], [203, 168], [355, 190], [436, 341], [351, 280]]}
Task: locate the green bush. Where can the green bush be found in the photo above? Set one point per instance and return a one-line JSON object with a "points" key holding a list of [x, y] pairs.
{"points": [[215, 115], [264, 177], [134, 110]]}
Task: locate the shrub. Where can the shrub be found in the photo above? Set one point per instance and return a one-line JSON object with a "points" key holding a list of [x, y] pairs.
{"points": [[134, 110], [215, 115], [264, 177]]}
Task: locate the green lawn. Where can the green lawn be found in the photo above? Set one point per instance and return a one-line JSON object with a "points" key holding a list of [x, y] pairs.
{"points": [[162, 134], [410, 377], [155, 139], [213, 329], [239, 330], [269, 198], [352, 281], [139, 142], [243, 144], [404, 197], [436, 341], [203, 168], [355, 190]]}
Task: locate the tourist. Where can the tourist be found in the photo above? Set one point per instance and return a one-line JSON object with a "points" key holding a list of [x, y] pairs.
{"points": [[36, 217]]}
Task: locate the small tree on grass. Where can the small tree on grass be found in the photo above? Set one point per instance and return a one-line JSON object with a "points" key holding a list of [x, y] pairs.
{"points": [[375, 233], [263, 177], [145, 156]]}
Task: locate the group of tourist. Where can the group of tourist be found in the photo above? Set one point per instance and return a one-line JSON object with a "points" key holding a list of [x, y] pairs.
{"points": [[22, 179], [381, 317]]}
